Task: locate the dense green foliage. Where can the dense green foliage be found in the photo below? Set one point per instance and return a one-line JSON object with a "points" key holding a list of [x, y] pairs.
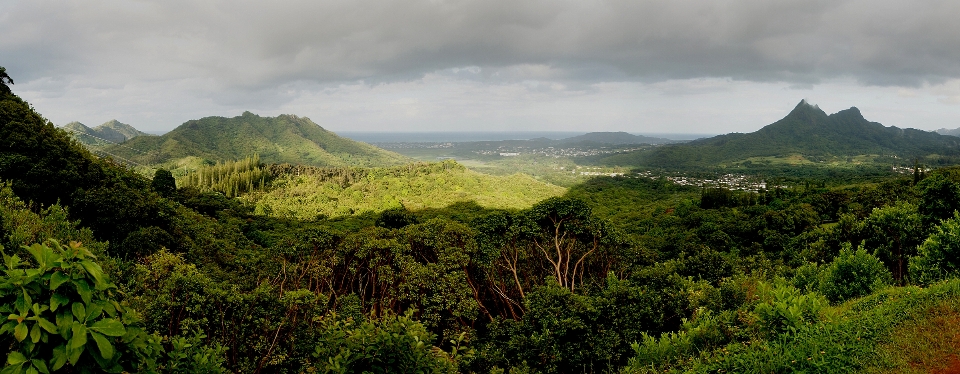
{"points": [[307, 193], [428, 274], [286, 138], [229, 178], [63, 309]]}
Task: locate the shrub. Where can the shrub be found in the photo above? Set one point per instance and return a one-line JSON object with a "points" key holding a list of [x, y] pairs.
{"points": [[853, 274], [787, 310], [62, 310], [391, 344], [939, 256]]}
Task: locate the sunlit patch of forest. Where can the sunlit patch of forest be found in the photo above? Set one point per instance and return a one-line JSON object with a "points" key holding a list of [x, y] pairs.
{"points": [[225, 270]]}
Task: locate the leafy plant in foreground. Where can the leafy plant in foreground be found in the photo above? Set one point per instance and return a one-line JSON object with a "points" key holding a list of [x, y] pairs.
{"points": [[61, 310]]}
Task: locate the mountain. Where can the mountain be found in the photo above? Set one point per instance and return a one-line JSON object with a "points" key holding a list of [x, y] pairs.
{"points": [[109, 132], [951, 132], [286, 138], [806, 133], [614, 138]]}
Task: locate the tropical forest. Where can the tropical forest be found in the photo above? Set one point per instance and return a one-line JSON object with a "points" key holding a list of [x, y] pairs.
{"points": [[821, 243]]}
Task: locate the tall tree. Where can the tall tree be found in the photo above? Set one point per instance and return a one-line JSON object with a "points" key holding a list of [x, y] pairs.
{"points": [[4, 79]]}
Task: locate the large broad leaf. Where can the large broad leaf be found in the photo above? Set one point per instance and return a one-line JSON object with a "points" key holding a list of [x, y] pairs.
{"points": [[59, 356], [16, 358], [47, 325], [86, 293], [79, 312], [108, 327], [106, 349], [94, 270], [56, 300], [21, 331], [24, 301], [40, 365], [35, 333], [79, 337], [57, 279]]}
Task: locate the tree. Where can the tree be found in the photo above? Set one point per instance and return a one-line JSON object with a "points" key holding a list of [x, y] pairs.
{"points": [[4, 89], [939, 198], [164, 183], [894, 232], [939, 256], [564, 231]]}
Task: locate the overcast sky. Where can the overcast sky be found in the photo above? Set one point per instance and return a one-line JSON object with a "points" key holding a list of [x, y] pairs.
{"points": [[674, 66]]}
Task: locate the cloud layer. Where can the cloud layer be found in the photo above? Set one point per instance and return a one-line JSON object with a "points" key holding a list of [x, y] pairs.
{"points": [[231, 54]]}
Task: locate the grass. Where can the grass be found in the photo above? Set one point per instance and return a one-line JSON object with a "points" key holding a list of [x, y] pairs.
{"points": [[898, 329], [929, 342]]}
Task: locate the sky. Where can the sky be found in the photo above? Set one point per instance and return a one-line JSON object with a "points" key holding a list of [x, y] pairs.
{"points": [[677, 66]]}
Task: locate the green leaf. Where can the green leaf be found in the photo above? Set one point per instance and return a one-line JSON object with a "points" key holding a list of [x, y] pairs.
{"points": [[24, 302], [40, 365], [59, 356], [20, 332], [56, 300], [79, 312], [74, 355], [106, 349], [35, 333], [57, 279], [79, 337], [93, 311], [108, 327], [47, 325], [94, 270], [32, 370], [16, 358], [86, 293]]}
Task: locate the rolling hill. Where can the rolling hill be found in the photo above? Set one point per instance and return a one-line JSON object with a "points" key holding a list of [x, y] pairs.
{"points": [[285, 138], [112, 131], [807, 134]]}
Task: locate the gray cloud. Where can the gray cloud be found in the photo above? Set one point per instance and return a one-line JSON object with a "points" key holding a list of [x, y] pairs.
{"points": [[253, 45]]}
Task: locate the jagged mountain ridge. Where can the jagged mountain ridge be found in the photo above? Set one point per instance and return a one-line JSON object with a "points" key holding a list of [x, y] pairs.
{"points": [[285, 138], [806, 131], [112, 131]]}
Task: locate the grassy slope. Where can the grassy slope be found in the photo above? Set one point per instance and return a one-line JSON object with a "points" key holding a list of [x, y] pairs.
{"points": [[415, 187], [893, 330], [285, 138]]}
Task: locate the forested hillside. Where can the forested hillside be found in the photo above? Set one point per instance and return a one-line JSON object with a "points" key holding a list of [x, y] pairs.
{"points": [[806, 134], [286, 138], [108, 271]]}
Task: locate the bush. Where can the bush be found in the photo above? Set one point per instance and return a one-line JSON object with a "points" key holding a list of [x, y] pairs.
{"points": [[62, 310], [391, 344], [853, 274], [939, 256], [787, 310]]}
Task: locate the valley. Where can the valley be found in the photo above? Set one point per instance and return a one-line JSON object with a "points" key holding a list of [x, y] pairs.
{"points": [[819, 243]]}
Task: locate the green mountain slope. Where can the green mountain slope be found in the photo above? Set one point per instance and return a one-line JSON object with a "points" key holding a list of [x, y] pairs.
{"points": [[286, 138], [806, 133], [112, 131]]}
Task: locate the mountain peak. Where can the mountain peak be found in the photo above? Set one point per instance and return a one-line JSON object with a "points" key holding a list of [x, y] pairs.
{"points": [[806, 111]]}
